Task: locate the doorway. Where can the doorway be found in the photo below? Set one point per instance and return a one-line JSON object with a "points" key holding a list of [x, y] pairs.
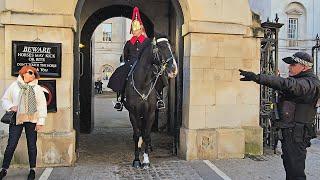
{"points": [[85, 107]]}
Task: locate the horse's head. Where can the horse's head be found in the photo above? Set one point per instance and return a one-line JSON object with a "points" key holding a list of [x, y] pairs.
{"points": [[165, 57]]}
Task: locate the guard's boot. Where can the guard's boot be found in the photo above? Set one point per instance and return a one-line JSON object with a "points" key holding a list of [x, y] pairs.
{"points": [[3, 173], [160, 104], [32, 175], [118, 106]]}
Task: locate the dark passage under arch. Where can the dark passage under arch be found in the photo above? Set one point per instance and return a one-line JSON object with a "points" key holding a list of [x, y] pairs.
{"points": [[86, 115]]}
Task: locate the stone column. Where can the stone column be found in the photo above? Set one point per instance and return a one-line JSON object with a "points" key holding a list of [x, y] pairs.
{"points": [[220, 113], [2, 75]]}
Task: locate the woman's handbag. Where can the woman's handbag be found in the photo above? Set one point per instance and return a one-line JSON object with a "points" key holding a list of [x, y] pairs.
{"points": [[9, 117]]}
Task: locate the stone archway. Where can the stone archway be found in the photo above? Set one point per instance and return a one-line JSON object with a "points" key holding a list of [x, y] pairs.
{"points": [[87, 24], [213, 36], [86, 102], [217, 41]]}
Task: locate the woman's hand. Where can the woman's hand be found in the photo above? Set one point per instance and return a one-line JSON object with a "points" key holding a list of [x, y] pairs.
{"points": [[14, 108], [39, 127]]}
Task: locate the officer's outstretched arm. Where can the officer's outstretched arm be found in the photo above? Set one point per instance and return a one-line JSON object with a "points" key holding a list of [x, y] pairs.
{"points": [[287, 85]]}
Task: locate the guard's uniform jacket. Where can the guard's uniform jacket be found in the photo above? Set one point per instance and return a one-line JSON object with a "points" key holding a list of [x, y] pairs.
{"points": [[299, 95], [134, 47], [131, 52]]}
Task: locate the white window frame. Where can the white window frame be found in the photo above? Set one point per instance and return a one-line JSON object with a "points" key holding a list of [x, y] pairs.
{"points": [[293, 28], [107, 32], [296, 24]]}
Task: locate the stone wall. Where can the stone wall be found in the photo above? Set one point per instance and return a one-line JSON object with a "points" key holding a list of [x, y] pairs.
{"points": [[220, 113], [2, 73], [148, 7], [45, 21]]}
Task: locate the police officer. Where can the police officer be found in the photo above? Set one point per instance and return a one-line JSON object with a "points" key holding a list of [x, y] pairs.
{"points": [[299, 95], [131, 53]]}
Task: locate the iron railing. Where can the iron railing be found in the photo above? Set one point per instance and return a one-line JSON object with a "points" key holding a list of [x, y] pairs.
{"points": [[318, 121], [315, 55], [269, 65]]}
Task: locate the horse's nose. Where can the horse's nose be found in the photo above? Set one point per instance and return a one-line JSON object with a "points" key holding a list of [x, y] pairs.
{"points": [[174, 70], [172, 75]]}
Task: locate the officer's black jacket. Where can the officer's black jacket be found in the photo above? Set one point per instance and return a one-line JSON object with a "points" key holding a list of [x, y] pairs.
{"points": [[302, 89]]}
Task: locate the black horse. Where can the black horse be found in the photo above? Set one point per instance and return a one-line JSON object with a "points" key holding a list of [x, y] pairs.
{"points": [[156, 60]]}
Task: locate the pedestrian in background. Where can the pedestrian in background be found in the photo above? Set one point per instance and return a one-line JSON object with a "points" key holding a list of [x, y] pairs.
{"points": [[297, 108], [27, 98]]}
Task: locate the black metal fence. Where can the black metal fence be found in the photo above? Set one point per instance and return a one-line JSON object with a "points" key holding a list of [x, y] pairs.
{"points": [[318, 121], [315, 55], [269, 65]]}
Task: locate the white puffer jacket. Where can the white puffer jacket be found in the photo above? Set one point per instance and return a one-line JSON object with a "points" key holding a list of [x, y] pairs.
{"points": [[12, 98]]}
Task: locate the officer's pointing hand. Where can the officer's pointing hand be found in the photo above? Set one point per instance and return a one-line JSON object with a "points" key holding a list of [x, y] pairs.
{"points": [[248, 76]]}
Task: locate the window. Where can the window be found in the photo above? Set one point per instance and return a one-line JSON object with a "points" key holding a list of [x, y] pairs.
{"points": [[293, 32], [296, 24], [107, 32], [107, 71], [293, 28]]}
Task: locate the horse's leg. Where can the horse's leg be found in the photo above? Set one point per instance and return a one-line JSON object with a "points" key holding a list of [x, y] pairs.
{"points": [[148, 120], [136, 135]]}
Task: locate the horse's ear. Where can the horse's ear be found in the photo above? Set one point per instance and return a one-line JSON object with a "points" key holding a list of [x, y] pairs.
{"points": [[160, 35], [154, 42]]}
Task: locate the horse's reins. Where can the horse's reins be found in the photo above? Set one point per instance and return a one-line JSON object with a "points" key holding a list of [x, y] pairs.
{"points": [[155, 51]]}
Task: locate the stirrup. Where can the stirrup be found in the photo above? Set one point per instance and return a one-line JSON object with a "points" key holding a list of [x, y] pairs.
{"points": [[160, 104], [118, 106]]}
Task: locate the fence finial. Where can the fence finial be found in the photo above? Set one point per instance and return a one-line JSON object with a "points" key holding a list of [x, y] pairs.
{"points": [[277, 18]]}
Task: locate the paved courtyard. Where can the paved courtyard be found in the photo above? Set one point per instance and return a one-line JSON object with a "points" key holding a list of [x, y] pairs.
{"points": [[107, 153]]}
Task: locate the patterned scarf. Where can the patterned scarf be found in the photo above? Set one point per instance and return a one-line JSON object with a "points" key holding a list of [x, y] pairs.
{"points": [[28, 103]]}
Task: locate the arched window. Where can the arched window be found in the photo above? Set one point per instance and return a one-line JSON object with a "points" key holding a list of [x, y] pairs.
{"points": [[296, 23], [107, 71]]}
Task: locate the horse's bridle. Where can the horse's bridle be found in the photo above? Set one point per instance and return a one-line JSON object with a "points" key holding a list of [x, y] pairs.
{"points": [[163, 64], [156, 51]]}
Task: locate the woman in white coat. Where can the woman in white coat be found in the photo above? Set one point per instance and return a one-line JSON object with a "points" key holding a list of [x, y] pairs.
{"points": [[27, 98]]}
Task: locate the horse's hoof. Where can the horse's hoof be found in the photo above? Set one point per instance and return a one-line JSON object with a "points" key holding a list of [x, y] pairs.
{"points": [[145, 165], [136, 164]]}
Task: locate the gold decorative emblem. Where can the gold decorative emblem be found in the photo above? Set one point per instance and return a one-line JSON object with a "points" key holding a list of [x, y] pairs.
{"points": [[136, 24]]}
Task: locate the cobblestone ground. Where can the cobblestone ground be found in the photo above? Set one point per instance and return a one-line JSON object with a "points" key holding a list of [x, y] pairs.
{"points": [[108, 154], [115, 145], [269, 166]]}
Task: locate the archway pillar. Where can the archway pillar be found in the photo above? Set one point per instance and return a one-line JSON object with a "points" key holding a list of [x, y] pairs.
{"points": [[44, 21], [220, 113]]}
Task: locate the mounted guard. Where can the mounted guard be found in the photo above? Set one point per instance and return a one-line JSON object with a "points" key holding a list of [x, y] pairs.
{"points": [[131, 53], [146, 63]]}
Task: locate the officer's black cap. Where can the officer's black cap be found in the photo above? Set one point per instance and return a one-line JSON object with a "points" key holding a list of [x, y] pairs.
{"points": [[297, 57]]}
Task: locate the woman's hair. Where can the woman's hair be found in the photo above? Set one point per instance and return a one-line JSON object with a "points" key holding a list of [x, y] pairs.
{"points": [[25, 69]]}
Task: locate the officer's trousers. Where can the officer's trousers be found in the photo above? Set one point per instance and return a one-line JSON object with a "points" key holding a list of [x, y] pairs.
{"points": [[294, 155]]}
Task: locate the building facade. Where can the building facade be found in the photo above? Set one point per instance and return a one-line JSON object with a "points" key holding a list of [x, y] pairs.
{"points": [[207, 37], [301, 19], [108, 41]]}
